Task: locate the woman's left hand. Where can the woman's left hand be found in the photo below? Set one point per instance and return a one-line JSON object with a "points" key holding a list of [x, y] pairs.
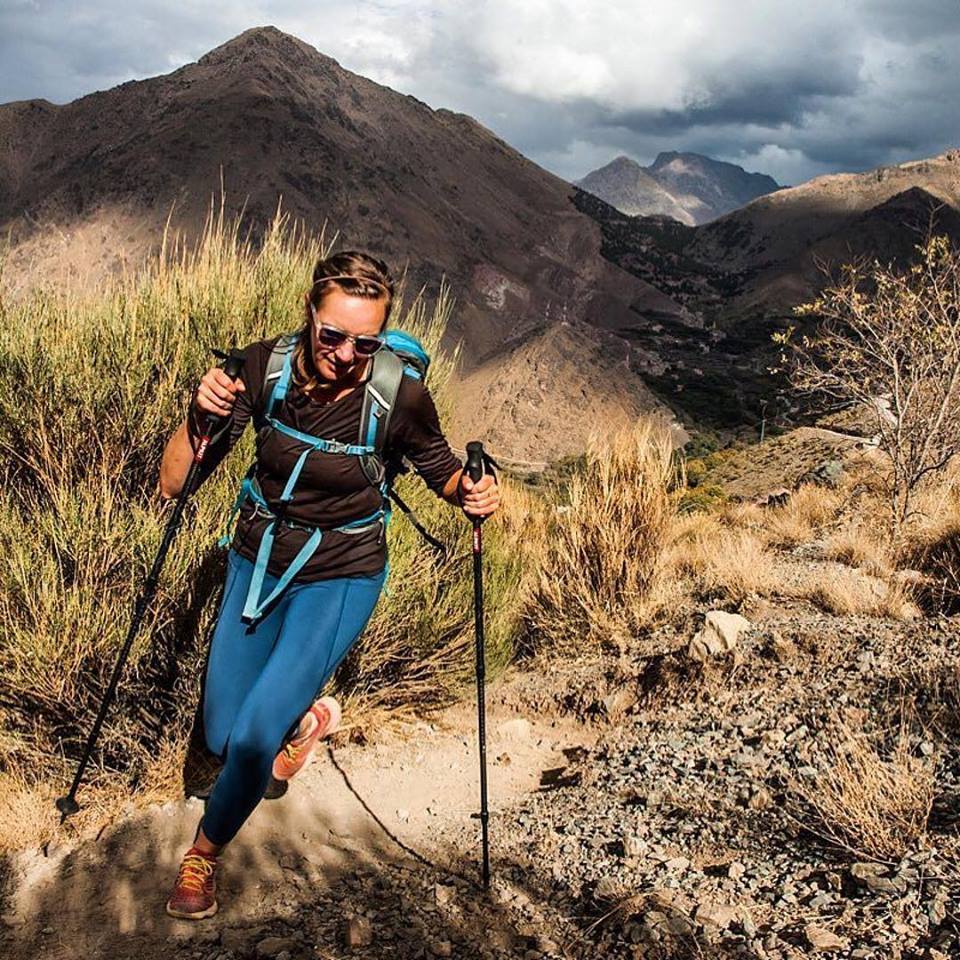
{"points": [[479, 499]]}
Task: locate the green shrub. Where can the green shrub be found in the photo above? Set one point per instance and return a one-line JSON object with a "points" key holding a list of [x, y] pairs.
{"points": [[702, 499], [700, 444], [695, 470]]}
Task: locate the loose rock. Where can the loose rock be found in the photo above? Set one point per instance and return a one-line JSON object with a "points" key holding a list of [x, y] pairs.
{"points": [[822, 939], [273, 946], [359, 932], [719, 635]]}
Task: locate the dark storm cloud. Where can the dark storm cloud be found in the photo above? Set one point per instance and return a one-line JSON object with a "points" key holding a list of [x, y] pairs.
{"points": [[749, 99], [793, 90], [915, 20], [62, 50]]}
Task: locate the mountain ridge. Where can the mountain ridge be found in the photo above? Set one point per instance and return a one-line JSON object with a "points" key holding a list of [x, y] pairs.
{"points": [[738, 278], [86, 188]]}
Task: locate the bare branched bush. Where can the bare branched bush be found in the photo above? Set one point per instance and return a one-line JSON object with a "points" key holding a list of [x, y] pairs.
{"points": [[873, 802], [890, 340]]}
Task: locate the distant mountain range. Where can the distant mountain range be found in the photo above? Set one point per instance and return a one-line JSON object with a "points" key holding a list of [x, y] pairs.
{"points": [[735, 280], [688, 187]]}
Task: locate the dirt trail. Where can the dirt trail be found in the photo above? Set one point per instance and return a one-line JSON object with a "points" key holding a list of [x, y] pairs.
{"points": [[356, 811]]}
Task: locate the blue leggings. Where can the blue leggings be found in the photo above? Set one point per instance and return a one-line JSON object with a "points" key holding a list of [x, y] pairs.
{"points": [[261, 679]]}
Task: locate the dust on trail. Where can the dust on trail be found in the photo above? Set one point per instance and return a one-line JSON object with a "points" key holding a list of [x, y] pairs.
{"points": [[360, 830]]}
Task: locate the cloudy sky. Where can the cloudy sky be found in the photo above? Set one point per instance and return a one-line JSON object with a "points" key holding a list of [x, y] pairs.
{"points": [[790, 89]]}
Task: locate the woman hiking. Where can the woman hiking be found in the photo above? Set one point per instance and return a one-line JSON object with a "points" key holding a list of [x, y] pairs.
{"points": [[307, 561]]}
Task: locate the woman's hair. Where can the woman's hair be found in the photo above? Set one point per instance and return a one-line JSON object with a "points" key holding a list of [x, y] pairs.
{"points": [[357, 274]]}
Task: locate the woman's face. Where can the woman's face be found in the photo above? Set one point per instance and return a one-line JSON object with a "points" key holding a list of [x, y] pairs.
{"points": [[354, 316]]}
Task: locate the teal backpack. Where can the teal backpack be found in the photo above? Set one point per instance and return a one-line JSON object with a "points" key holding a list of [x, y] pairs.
{"points": [[402, 355]]}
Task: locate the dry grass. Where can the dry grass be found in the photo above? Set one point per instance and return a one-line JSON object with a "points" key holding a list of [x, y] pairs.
{"points": [[797, 521], [930, 544], [744, 515], [846, 593], [728, 564], [874, 803], [26, 811], [859, 546], [933, 548], [934, 685], [600, 555]]}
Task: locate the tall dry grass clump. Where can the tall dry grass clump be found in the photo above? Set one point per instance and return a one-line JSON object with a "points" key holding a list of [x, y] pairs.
{"points": [[717, 561], [845, 593], [797, 521], [859, 545], [600, 569], [873, 802], [931, 546], [91, 388]]}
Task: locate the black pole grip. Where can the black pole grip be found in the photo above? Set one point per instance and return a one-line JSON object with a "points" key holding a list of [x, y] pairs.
{"points": [[233, 363], [476, 459]]}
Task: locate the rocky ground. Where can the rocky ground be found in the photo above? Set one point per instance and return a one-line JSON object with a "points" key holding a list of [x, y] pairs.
{"points": [[678, 834], [645, 805]]}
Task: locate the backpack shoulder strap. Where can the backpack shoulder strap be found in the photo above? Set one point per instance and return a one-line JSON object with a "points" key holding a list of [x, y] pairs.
{"points": [[379, 399], [276, 377]]}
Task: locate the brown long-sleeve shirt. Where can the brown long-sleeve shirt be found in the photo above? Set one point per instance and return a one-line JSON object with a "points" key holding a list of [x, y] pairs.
{"points": [[332, 489]]}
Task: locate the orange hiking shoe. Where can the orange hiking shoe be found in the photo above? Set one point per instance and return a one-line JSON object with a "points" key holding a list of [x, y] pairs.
{"points": [[194, 894], [319, 721]]}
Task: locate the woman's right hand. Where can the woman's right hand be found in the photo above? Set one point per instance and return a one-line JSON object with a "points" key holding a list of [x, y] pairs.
{"points": [[217, 393]]}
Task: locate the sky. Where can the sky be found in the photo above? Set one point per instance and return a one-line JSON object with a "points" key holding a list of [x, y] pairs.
{"points": [[794, 90]]}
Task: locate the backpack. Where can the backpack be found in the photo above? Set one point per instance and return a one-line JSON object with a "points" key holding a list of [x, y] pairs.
{"points": [[401, 355]]}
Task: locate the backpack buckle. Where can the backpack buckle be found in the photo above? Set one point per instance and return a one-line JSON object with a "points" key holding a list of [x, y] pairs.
{"points": [[335, 446]]}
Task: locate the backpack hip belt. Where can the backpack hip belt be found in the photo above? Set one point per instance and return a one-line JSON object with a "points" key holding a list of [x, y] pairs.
{"points": [[256, 604]]}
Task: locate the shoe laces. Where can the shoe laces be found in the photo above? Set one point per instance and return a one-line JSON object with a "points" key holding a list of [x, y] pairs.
{"points": [[293, 748], [195, 871]]}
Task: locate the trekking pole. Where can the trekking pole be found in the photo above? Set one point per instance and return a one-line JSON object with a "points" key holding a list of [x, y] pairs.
{"points": [[68, 805], [478, 463]]}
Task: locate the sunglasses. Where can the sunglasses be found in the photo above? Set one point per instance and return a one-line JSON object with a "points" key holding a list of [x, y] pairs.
{"points": [[364, 345]]}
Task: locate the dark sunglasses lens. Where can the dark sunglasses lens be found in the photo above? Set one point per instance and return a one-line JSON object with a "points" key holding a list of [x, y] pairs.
{"points": [[367, 346], [330, 337]]}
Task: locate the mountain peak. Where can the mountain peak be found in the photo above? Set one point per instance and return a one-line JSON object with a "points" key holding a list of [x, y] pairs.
{"points": [[267, 43], [689, 187], [667, 157], [688, 160], [624, 162]]}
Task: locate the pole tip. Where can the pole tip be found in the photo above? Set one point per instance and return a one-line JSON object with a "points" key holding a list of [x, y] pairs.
{"points": [[67, 807]]}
